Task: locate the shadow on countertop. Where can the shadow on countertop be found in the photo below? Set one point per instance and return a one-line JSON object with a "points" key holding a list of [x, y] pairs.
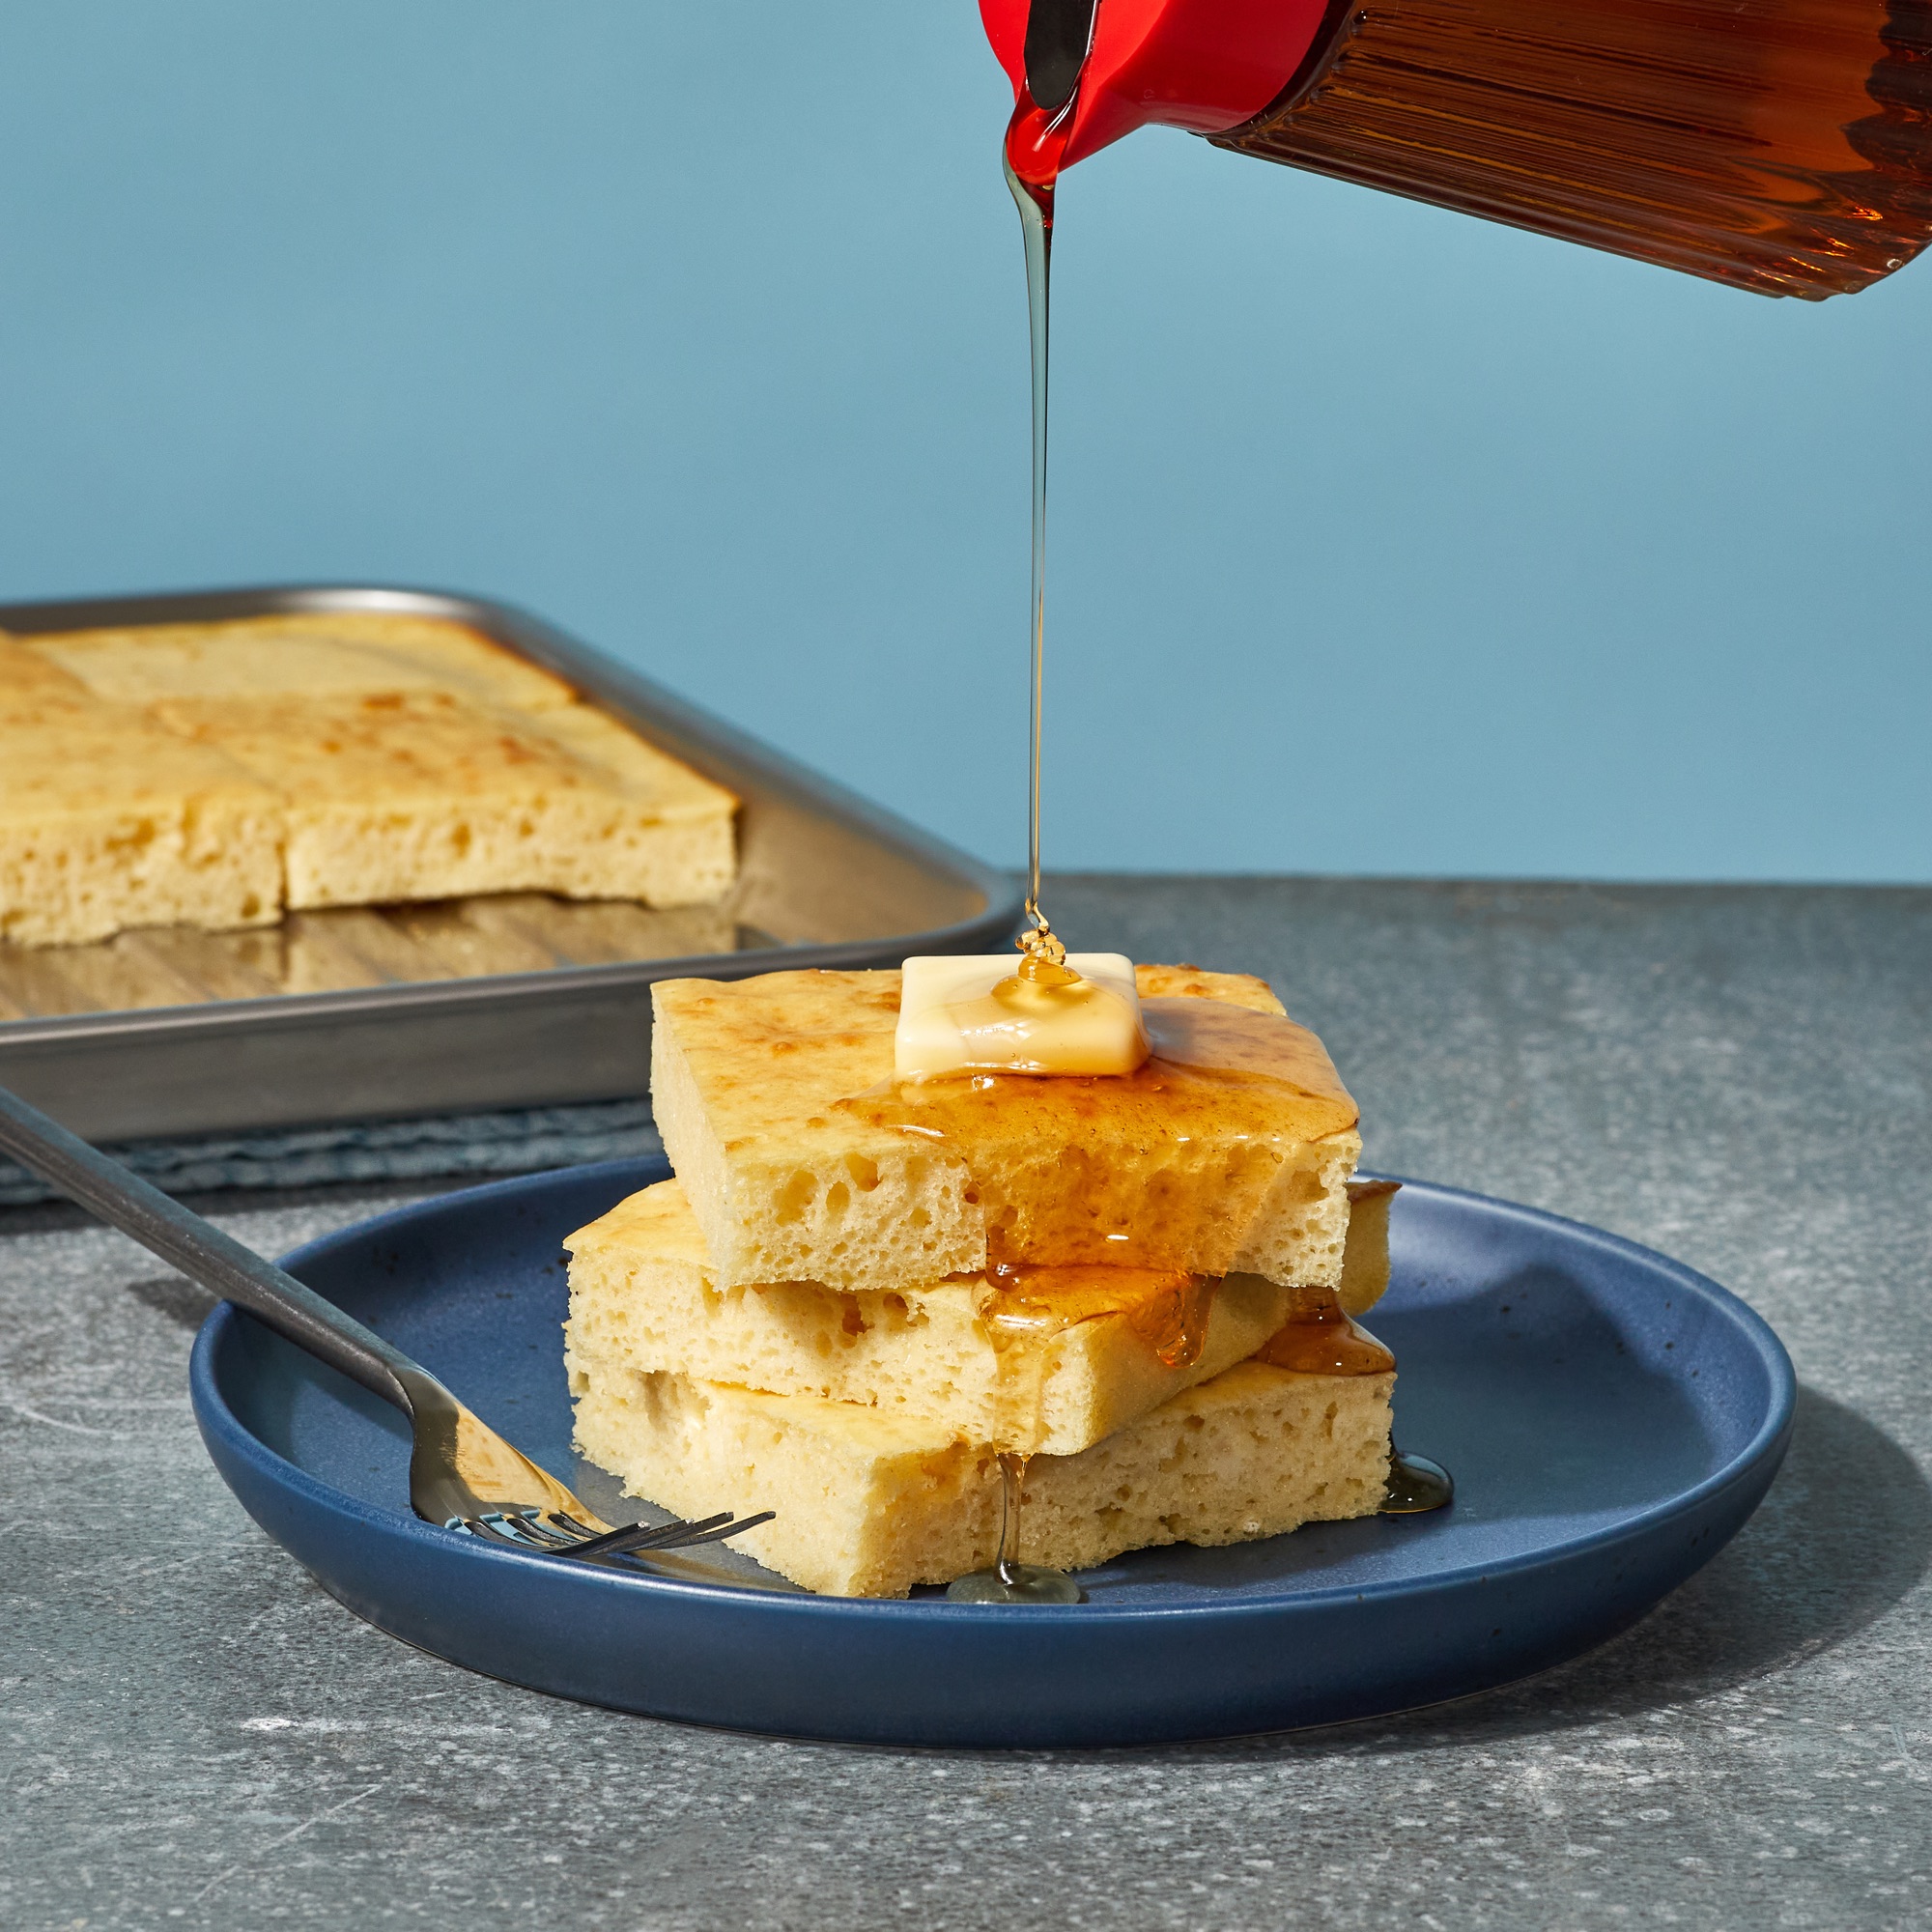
{"points": [[1844, 1534]]}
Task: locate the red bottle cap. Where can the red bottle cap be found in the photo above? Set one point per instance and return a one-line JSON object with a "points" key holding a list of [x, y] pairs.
{"points": [[1204, 65]]}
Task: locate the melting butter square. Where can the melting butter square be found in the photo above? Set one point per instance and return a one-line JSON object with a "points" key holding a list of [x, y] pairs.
{"points": [[951, 1019]]}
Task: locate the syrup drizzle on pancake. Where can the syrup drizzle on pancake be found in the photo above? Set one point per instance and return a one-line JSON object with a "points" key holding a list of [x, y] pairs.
{"points": [[1221, 1113], [1168, 1308], [1321, 1341]]}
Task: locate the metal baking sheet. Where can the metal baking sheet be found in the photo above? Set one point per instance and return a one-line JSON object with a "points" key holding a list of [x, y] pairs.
{"points": [[514, 1000]]}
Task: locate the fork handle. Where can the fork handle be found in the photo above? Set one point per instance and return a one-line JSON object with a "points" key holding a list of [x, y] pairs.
{"points": [[201, 1252]]}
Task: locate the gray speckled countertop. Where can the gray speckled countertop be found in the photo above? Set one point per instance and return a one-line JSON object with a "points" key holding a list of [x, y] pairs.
{"points": [[192, 1734]]}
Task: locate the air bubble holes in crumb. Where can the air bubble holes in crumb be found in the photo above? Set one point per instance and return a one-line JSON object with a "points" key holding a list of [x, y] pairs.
{"points": [[797, 1196]]}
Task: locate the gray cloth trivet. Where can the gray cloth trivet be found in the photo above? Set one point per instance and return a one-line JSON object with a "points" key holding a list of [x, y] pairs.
{"points": [[521, 1142]]}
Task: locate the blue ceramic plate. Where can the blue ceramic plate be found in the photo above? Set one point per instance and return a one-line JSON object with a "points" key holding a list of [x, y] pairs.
{"points": [[1610, 1418]]}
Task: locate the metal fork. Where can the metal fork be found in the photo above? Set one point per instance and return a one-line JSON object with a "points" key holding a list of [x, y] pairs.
{"points": [[462, 1473]]}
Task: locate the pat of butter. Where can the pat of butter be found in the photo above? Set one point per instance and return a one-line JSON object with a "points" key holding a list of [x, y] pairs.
{"points": [[974, 1014]]}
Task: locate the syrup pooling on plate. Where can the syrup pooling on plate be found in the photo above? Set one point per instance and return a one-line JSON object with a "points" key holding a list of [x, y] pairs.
{"points": [[1009, 1580], [1416, 1485], [1227, 1103]]}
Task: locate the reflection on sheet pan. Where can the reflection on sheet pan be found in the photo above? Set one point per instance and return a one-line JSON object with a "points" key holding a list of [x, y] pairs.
{"points": [[355, 946]]}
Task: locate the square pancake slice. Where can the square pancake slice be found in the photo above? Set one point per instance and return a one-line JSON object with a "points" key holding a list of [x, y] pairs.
{"points": [[869, 1504], [1048, 1359], [301, 654], [804, 1159], [109, 821], [417, 795], [34, 691]]}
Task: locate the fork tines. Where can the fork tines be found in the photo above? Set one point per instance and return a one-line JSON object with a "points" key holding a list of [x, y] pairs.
{"points": [[555, 1534]]}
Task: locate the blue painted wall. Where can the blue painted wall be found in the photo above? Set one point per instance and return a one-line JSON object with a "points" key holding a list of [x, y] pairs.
{"points": [[1385, 541]]}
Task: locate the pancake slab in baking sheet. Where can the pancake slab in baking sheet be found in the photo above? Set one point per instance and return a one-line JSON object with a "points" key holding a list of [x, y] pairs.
{"points": [[512, 1000]]}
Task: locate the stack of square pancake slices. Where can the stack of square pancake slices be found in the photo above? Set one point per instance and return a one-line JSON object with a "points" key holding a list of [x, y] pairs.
{"points": [[860, 1293]]}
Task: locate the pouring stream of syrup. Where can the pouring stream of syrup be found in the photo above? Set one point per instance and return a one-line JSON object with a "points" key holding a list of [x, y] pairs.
{"points": [[1009, 1580], [1035, 139]]}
